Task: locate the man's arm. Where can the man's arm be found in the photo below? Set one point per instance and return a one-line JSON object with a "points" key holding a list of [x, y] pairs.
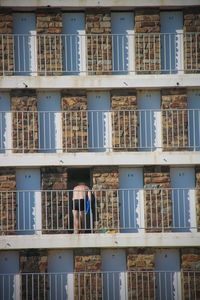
{"points": [[89, 195]]}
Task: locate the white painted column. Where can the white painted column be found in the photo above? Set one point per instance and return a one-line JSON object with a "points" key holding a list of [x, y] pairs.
{"points": [[38, 213], [33, 53], [8, 133]]}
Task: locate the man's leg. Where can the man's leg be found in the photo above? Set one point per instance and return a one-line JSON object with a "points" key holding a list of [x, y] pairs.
{"points": [[82, 219], [76, 221]]}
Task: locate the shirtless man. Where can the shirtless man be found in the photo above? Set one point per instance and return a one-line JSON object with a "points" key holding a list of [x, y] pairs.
{"points": [[79, 203]]}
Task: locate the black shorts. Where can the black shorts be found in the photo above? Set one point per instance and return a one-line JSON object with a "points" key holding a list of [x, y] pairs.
{"points": [[78, 204]]}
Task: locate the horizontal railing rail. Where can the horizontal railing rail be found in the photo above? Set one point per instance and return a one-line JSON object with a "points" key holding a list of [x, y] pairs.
{"points": [[101, 285], [62, 54], [110, 211], [87, 130]]}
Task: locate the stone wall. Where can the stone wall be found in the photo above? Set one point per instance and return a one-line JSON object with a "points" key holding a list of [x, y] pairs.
{"points": [[174, 119], [36, 286], [7, 201], [99, 43], [106, 202], [74, 122], [124, 122], [197, 172], [140, 259], [49, 43], [190, 261], [55, 200], [147, 47], [24, 121], [6, 44], [158, 206], [87, 286], [191, 46]]}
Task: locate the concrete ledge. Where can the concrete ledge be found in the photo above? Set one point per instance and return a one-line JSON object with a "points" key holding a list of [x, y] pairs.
{"points": [[98, 82], [97, 3], [89, 159], [119, 240]]}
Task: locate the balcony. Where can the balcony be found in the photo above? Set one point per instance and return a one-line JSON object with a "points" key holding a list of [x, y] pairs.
{"points": [[102, 285], [100, 131], [112, 54], [111, 211]]}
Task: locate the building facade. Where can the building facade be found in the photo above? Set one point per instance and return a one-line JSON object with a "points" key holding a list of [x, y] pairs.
{"points": [[105, 93]]}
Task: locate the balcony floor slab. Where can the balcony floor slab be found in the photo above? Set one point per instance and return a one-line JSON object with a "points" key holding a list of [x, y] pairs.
{"points": [[97, 82], [89, 159], [119, 240]]}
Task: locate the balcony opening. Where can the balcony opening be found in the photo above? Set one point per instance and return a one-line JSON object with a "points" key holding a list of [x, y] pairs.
{"points": [[75, 176]]}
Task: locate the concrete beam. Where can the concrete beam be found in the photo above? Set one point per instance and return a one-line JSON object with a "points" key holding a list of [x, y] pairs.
{"points": [[120, 240], [66, 4], [90, 159], [97, 82]]}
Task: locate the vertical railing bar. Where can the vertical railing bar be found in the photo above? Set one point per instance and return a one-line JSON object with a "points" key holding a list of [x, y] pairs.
{"points": [[173, 112], [27, 291], [19, 62], [13, 227], [123, 199], [3, 63], [194, 129], [162, 210], [157, 225], [71, 127], [24, 214], [124, 117], [151, 131], [38, 287], [8, 47], [151, 209], [183, 119], [55, 39], [29, 201], [145, 128], [98, 135], [18, 226], [32, 286], [166, 112], [165, 286], [1, 221], [45, 57], [62, 201], [129, 128], [82, 145], [24, 52], [50, 54], [102, 54], [136, 281], [149, 46], [6, 211], [179, 220], [140, 128], [76, 130], [184, 211], [170, 54], [51, 193], [57, 210], [143, 42], [134, 209], [28, 113], [49, 125], [123, 47], [177, 122], [119, 117], [117, 52]]}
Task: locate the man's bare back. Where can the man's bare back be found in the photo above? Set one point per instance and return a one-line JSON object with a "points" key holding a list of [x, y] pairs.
{"points": [[81, 191]]}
